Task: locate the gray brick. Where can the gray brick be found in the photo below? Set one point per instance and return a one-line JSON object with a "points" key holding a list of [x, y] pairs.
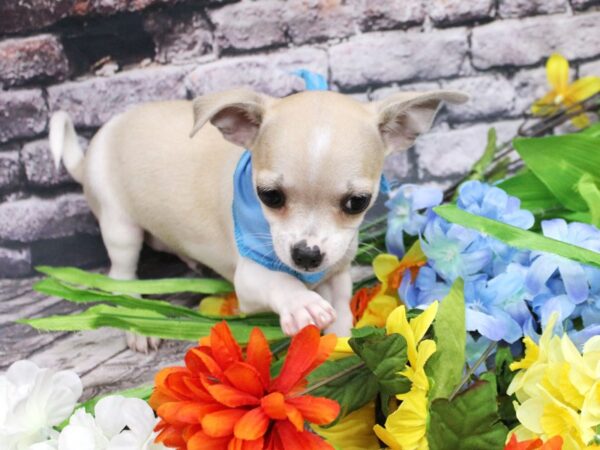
{"points": [[398, 166], [385, 57], [388, 14], [584, 4], [524, 8], [39, 165], [23, 113], [271, 73], [15, 262], [10, 170], [179, 37], [34, 218], [93, 101], [491, 96], [590, 69], [313, 20], [531, 40], [249, 25], [381, 93], [34, 58], [451, 12], [452, 153], [24, 15]]}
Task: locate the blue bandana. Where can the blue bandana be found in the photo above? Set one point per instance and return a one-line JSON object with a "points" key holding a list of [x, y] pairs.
{"points": [[252, 231]]}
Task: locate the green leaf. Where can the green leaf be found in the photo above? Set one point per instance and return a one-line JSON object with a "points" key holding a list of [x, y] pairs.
{"points": [[147, 323], [588, 189], [480, 167], [80, 277], [517, 237], [55, 288], [385, 356], [447, 364], [469, 422], [592, 130], [560, 162], [351, 392], [534, 194], [504, 377]]}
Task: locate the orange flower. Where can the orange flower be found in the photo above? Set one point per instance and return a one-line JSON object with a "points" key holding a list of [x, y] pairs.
{"points": [[223, 400], [361, 299], [534, 444]]}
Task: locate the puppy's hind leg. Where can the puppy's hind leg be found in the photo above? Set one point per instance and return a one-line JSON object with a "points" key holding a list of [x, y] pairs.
{"points": [[123, 240]]}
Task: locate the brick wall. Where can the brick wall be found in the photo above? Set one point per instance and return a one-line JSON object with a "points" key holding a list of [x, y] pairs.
{"points": [[94, 58]]}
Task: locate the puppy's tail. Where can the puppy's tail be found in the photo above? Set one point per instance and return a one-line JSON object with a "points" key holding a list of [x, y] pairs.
{"points": [[64, 145]]}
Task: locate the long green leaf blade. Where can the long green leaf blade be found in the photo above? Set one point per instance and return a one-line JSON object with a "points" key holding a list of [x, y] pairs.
{"points": [[55, 288], [80, 277], [517, 237], [147, 323]]}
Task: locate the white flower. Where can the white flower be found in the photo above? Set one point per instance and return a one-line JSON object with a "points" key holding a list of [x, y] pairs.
{"points": [[32, 402], [119, 424]]}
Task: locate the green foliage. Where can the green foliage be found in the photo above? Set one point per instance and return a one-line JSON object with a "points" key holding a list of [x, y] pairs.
{"points": [[468, 422], [588, 189], [149, 323], [534, 194], [504, 376], [516, 237], [560, 162], [352, 391], [74, 276], [481, 166], [447, 364], [385, 356]]}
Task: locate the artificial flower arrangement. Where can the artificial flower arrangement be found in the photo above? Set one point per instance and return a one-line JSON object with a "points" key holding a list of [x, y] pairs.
{"points": [[479, 330]]}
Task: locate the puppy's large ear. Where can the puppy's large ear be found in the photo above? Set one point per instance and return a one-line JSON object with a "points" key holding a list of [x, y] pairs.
{"points": [[237, 113], [405, 115]]}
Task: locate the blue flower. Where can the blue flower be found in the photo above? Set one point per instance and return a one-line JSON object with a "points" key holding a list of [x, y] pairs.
{"points": [[424, 291], [454, 251], [404, 215], [488, 201], [589, 309], [573, 275], [486, 315]]}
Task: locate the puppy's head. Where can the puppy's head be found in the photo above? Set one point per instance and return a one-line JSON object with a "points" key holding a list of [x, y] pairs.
{"points": [[317, 160]]}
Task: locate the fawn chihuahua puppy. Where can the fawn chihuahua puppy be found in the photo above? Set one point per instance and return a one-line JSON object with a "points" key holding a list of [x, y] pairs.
{"points": [[280, 219]]}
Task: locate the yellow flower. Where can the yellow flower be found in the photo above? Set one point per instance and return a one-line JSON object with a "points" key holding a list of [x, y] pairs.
{"points": [[558, 389], [412, 331], [405, 428], [389, 271], [563, 94], [219, 306], [353, 432]]}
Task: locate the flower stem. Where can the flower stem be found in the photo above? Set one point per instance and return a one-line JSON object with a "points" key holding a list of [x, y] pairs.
{"points": [[328, 380], [488, 351]]}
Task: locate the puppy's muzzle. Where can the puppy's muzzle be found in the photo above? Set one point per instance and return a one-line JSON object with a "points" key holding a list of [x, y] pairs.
{"points": [[307, 257]]}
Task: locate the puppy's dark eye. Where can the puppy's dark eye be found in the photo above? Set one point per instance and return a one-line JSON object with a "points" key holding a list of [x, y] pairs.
{"points": [[273, 198], [355, 204]]}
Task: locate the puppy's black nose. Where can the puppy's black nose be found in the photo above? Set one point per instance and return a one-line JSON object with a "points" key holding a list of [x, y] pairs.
{"points": [[307, 257]]}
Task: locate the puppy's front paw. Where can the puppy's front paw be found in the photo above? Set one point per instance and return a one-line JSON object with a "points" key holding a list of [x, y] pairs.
{"points": [[141, 344], [306, 309]]}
